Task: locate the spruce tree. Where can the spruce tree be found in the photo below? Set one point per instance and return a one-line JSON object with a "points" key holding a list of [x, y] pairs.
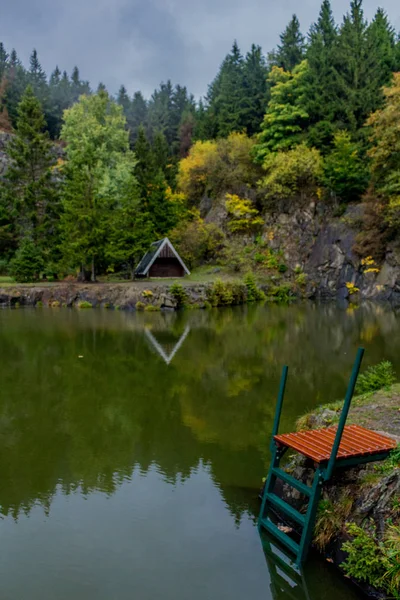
{"points": [[16, 84], [3, 60], [137, 115], [29, 186], [321, 100], [291, 50], [123, 100], [255, 82]]}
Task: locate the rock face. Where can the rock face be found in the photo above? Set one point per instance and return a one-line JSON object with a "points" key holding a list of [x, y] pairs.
{"points": [[311, 237]]}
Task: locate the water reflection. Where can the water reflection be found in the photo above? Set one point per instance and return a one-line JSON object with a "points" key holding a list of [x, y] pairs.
{"points": [[163, 410]]}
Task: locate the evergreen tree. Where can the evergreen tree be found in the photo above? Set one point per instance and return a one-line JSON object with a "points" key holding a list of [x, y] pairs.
{"points": [[37, 79], [123, 100], [137, 115], [160, 112], [29, 187], [160, 151], [186, 133], [359, 67], [98, 178], [3, 61], [255, 81], [16, 84], [291, 50], [381, 46], [321, 100], [285, 120], [228, 101]]}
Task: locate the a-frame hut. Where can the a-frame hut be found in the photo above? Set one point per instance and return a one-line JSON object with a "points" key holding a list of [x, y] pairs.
{"points": [[162, 260]]}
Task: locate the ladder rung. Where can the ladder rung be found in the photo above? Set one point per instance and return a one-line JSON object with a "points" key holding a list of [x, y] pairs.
{"points": [[287, 568], [295, 483], [286, 508], [279, 535]]}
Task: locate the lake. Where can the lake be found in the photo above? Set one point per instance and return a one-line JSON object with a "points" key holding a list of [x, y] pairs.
{"points": [[133, 445]]}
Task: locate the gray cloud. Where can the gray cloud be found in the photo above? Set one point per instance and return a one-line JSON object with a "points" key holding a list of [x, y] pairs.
{"points": [[142, 42]]}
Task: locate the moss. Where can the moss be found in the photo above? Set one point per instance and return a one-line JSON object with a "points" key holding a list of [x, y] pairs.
{"points": [[39, 304], [140, 305], [55, 304]]}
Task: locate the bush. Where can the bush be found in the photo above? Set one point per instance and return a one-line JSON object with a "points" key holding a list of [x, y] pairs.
{"points": [[292, 173], [179, 294], [365, 560], [85, 304], [27, 263], [376, 377], [140, 305], [243, 216], [254, 294], [281, 293], [152, 308], [222, 293], [196, 241]]}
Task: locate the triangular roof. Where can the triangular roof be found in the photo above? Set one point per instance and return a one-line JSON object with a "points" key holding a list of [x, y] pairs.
{"points": [[163, 349], [150, 256]]}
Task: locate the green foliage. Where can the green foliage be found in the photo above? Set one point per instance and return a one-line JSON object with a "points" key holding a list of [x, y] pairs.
{"points": [[285, 119], [197, 242], [140, 305], [293, 173], [280, 293], [98, 181], [254, 294], [365, 560], [179, 294], [377, 377], [222, 293], [152, 308], [345, 171], [27, 263], [330, 519], [85, 304]]}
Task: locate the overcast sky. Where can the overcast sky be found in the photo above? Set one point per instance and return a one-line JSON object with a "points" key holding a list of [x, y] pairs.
{"points": [[142, 42]]}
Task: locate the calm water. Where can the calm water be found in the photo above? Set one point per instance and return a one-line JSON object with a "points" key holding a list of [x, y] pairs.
{"points": [[133, 445]]}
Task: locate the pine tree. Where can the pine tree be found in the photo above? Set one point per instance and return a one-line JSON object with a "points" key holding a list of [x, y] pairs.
{"points": [[255, 81], [160, 151], [30, 189], [291, 50], [37, 78], [145, 162], [381, 46], [78, 87]]}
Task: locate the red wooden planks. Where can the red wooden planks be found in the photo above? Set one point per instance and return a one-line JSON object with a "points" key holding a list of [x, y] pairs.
{"points": [[317, 443]]}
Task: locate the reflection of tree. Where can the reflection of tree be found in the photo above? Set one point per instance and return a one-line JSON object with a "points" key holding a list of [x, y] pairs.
{"points": [[88, 422]]}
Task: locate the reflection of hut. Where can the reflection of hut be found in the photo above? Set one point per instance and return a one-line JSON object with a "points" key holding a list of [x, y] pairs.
{"points": [[166, 343], [162, 260]]}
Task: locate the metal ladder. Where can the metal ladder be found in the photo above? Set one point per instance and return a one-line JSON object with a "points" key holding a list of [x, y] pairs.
{"points": [[322, 474]]}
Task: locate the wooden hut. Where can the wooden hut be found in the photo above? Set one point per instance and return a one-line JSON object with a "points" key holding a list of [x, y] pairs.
{"points": [[162, 260]]}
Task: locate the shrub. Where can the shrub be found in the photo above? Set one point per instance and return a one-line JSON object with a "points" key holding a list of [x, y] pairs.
{"points": [[147, 294], [222, 293], [292, 173], [376, 377], [282, 268], [85, 304], [152, 308], [281, 293], [179, 294], [27, 263], [254, 294], [243, 216], [366, 560], [140, 305], [4, 266], [197, 242]]}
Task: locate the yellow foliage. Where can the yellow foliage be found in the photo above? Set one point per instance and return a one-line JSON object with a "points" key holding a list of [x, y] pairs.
{"points": [[244, 218], [352, 289]]}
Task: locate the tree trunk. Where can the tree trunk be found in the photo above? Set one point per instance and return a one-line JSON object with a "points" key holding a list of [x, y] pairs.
{"points": [[93, 271]]}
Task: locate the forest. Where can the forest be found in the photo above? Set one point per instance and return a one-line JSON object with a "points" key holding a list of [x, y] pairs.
{"points": [[92, 179]]}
